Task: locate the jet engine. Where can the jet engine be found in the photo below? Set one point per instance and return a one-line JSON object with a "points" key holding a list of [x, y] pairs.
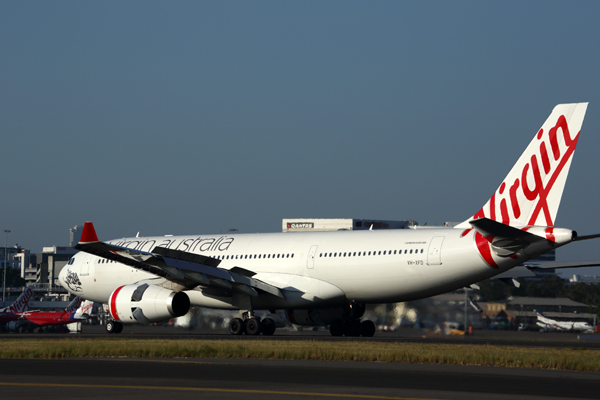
{"points": [[145, 304], [14, 326]]}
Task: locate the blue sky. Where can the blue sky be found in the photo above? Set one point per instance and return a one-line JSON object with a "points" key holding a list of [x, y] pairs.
{"points": [[197, 117]]}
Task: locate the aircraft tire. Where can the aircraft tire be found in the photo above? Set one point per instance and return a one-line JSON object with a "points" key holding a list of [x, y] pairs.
{"points": [[253, 326], [110, 326], [367, 328], [336, 328], [352, 328], [236, 326], [268, 327], [118, 327]]}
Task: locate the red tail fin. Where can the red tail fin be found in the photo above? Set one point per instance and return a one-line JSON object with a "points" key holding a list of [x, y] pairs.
{"points": [[89, 233]]}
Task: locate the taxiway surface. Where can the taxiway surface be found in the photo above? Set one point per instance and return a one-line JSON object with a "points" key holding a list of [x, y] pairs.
{"points": [[272, 379]]}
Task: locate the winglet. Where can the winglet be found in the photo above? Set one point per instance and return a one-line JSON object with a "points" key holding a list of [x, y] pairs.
{"points": [[89, 233]]}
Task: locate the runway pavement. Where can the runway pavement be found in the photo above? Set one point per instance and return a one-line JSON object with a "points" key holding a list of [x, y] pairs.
{"points": [[273, 379], [265, 379], [482, 337]]}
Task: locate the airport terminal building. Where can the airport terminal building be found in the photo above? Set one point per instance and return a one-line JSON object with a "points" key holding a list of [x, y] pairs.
{"points": [[342, 224]]}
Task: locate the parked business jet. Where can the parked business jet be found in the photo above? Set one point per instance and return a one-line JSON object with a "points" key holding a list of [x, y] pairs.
{"points": [[326, 278], [548, 324]]}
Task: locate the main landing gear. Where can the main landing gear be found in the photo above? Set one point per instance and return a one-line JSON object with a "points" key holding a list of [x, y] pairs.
{"points": [[351, 325], [251, 325], [352, 328]]}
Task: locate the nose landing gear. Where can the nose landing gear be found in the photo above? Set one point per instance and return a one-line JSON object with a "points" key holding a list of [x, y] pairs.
{"points": [[113, 326]]}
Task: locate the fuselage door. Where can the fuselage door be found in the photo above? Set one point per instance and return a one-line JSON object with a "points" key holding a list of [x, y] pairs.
{"points": [[85, 265], [434, 254], [310, 262]]}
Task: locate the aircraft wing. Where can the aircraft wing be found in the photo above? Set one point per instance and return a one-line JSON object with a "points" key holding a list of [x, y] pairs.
{"points": [[186, 269]]}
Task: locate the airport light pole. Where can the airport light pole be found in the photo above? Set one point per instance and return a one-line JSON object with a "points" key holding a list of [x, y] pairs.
{"points": [[6, 232]]}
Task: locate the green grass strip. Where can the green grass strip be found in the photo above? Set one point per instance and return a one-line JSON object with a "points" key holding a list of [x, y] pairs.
{"points": [[486, 355]]}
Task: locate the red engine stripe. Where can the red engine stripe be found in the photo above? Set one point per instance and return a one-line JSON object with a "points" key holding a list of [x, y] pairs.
{"points": [[112, 304]]}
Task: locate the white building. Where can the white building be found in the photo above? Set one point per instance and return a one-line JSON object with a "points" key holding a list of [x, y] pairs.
{"points": [[341, 224]]}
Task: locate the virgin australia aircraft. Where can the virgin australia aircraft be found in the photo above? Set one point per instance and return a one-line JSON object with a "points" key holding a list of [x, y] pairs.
{"points": [[326, 278]]}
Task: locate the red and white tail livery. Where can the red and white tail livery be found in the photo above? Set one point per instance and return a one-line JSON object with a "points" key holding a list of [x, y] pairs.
{"points": [[530, 194], [326, 278], [21, 303]]}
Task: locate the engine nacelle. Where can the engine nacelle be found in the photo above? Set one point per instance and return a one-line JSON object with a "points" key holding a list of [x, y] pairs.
{"points": [[13, 326], [145, 304]]}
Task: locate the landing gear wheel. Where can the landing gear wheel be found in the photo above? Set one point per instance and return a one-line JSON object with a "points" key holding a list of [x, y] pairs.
{"points": [[236, 326], [268, 327], [118, 327], [367, 328], [336, 328], [253, 326], [352, 328], [110, 326]]}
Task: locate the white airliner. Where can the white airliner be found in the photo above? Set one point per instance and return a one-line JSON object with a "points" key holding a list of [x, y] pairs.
{"points": [[548, 324], [326, 278]]}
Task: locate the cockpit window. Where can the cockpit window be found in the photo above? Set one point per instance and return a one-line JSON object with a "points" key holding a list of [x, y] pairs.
{"points": [[71, 261]]}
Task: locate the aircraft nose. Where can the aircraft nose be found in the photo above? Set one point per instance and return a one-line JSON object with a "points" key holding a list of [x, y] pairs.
{"points": [[62, 276]]}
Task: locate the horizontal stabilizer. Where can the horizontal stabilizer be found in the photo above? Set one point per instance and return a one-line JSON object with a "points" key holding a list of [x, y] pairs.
{"points": [[488, 227], [505, 240]]}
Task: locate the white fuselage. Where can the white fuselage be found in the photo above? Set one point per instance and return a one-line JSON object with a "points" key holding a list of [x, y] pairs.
{"points": [[313, 269], [564, 326]]}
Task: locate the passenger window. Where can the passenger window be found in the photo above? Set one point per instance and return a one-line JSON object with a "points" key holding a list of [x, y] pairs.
{"points": [[379, 253], [421, 251], [410, 251]]}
